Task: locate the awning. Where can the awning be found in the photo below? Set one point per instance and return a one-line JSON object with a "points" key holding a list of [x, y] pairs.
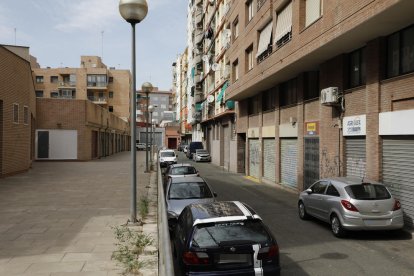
{"points": [[198, 107], [283, 22], [221, 93], [265, 38]]}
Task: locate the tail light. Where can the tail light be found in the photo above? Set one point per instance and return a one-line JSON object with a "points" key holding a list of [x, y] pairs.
{"points": [[397, 205], [195, 258], [266, 253], [349, 206]]}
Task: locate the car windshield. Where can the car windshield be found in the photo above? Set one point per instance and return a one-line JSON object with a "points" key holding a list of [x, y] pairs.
{"points": [[167, 154], [230, 233], [183, 171], [189, 190], [201, 151], [367, 191]]}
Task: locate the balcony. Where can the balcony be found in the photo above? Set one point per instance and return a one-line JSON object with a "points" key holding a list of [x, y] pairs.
{"points": [[98, 85], [197, 117], [66, 84], [198, 97], [98, 100]]}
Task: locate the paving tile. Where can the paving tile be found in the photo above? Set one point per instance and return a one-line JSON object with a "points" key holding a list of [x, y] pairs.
{"points": [[44, 258], [100, 266], [11, 269], [55, 267], [96, 256], [82, 273]]}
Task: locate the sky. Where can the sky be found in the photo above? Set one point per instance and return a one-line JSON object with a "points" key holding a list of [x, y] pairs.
{"points": [[59, 32]]}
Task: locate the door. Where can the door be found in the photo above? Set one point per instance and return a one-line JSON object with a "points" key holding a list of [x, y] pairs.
{"points": [[241, 153], [269, 159], [315, 201], [311, 162], [288, 170], [1, 137], [398, 172], [226, 146], [94, 146], [254, 157], [43, 144], [355, 156]]}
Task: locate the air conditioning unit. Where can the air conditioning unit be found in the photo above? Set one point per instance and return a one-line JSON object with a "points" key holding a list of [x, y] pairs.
{"points": [[330, 96]]}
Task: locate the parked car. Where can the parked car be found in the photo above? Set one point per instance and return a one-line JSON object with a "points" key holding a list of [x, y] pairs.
{"points": [[179, 170], [201, 155], [141, 146], [192, 147], [181, 147], [224, 238], [167, 157], [349, 203], [185, 149], [182, 191]]}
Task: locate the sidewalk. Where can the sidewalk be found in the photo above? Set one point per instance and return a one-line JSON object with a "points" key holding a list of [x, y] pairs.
{"points": [[56, 219]]}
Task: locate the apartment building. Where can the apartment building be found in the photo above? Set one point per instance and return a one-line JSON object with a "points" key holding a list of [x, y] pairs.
{"points": [[83, 112], [93, 81], [17, 110], [213, 116], [324, 88]]}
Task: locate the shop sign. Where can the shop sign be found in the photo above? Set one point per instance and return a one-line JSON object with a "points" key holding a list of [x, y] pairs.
{"points": [[312, 128], [354, 125]]}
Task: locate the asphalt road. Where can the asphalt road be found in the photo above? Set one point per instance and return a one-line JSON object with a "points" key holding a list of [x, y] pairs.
{"points": [[308, 247]]}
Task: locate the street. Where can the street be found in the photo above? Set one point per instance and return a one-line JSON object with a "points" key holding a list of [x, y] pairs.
{"points": [[308, 247]]}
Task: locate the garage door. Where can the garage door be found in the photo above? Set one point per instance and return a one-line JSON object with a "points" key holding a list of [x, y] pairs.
{"points": [[57, 144], [269, 159], [398, 172], [355, 157], [289, 161], [254, 157]]}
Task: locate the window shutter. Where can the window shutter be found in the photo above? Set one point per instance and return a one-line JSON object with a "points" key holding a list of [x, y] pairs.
{"points": [[264, 39], [284, 22], [313, 11]]}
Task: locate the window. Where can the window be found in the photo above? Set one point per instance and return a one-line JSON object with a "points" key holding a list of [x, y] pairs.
{"points": [[235, 29], [16, 113], [288, 93], [367, 191], [235, 70], [332, 191], [264, 48], [66, 94], [54, 94], [356, 68], [39, 79], [311, 87], [111, 108], [111, 79], [249, 11], [283, 32], [400, 52], [253, 105], [319, 187], [96, 80], [39, 93], [249, 58], [163, 106], [54, 79], [25, 115], [312, 10], [269, 100], [111, 94]]}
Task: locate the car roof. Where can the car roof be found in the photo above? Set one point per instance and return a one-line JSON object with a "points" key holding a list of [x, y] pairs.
{"points": [[166, 150], [181, 165], [185, 179], [349, 180], [220, 211]]}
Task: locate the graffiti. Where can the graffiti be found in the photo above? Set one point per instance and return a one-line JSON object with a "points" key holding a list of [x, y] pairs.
{"points": [[329, 165], [355, 167]]}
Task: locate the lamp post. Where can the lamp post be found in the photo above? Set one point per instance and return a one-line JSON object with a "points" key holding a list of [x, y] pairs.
{"points": [[133, 11], [151, 109], [146, 88]]}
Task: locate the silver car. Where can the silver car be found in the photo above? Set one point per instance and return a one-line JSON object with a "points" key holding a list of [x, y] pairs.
{"points": [[349, 203], [201, 155], [182, 191], [179, 170]]}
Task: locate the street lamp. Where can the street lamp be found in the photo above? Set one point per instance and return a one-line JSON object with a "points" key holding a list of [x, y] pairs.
{"points": [[133, 11], [146, 88], [151, 109]]}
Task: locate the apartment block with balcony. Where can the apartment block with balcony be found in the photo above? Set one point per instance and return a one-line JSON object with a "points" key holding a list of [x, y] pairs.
{"points": [[83, 112], [324, 88]]}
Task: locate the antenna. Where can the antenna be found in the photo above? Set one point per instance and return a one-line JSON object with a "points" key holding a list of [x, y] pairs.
{"points": [[102, 34]]}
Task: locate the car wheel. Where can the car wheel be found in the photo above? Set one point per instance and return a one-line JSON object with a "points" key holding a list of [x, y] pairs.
{"points": [[336, 227], [302, 211]]}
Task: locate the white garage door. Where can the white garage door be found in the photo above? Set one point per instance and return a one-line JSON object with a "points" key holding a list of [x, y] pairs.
{"points": [[57, 144], [269, 159], [289, 161], [254, 157]]}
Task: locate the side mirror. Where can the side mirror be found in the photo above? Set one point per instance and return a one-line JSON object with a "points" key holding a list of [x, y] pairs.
{"points": [[308, 191]]}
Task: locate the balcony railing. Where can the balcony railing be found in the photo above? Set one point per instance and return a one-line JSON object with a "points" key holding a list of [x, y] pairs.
{"points": [[97, 99], [97, 84], [67, 84]]}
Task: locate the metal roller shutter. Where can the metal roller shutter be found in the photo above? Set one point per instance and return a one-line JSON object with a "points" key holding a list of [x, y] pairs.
{"points": [[398, 172], [289, 161], [355, 157], [254, 157], [311, 165], [226, 147], [269, 159]]}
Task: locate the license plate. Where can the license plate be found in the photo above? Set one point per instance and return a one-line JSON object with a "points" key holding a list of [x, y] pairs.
{"points": [[377, 222], [234, 258]]}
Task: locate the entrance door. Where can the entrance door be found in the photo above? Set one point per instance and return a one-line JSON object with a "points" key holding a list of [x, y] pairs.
{"points": [[43, 144], [226, 145], [289, 161], [311, 164]]}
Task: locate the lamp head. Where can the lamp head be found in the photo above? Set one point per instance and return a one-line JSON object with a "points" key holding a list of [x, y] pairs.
{"points": [[151, 108], [133, 11]]}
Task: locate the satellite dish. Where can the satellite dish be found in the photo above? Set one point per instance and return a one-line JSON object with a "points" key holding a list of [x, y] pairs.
{"points": [[205, 58], [215, 67]]}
